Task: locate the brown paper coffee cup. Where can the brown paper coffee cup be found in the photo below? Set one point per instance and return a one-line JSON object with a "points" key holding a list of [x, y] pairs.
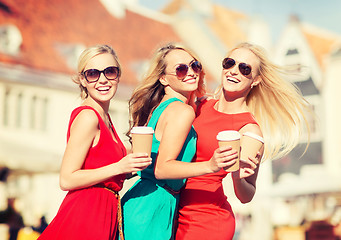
{"points": [[230, 138], [142, 138], [250, 144]]}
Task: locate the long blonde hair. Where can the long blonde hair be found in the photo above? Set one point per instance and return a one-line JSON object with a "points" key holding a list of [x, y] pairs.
{"points": [[83, 60], [277, 105], [149, 94]]}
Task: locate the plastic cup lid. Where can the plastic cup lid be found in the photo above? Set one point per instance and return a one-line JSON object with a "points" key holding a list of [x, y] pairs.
{"points": [[142, 130], [255, 136], [228, 135]]}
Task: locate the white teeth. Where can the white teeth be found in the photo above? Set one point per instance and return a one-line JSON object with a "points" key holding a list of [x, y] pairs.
{"points": [[232, 79], [191, 81], [103, 89]]}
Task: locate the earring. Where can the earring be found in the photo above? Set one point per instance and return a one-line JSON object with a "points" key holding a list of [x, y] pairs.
{"points": [[251, 86]]}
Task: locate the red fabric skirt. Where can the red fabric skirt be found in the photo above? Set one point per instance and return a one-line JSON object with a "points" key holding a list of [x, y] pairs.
{"points": [[85, 214]]}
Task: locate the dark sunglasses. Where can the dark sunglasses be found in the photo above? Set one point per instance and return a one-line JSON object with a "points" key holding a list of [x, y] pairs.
{"points": [[244, 68], [92, 75], [182, 69]]}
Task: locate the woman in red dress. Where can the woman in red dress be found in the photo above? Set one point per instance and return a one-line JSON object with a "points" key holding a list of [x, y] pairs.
{"points": [[95, 161], [254, 99]]}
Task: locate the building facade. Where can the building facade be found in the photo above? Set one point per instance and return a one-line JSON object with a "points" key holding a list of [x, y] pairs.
{"points": [[38, 55]]}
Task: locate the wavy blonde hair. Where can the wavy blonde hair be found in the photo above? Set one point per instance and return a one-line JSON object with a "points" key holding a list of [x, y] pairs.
{"points": [[277, 105], [149, 94], [83, 60]]}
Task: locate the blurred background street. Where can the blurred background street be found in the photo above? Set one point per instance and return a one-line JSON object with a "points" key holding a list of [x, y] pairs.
{"points": [[298, 197]]}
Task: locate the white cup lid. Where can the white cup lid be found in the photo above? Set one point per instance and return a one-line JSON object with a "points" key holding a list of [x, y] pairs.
{"points": [[255, 136], [142, 130], [228, 135]]}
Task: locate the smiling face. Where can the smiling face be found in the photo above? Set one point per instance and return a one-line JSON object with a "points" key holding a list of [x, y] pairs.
{"points": [[103, 90], [184, 85], [235, 84]]}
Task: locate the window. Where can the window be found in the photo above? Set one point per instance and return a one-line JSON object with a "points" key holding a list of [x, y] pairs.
{"points": [[6, 107], [44, 114], [10, 39], [19, 110], [292, 51], [33, 109], [38, 113], [22, 110]]}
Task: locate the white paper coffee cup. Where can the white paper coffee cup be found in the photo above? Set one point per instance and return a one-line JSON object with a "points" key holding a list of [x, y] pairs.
{"points": [[230, 138], [142, 138], [250, 144]]}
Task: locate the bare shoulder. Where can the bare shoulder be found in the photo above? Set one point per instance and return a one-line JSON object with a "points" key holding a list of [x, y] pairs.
{"points": [[254, 128], [179, 109], [86, 118]]}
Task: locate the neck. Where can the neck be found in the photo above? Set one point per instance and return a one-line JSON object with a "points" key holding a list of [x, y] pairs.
{"points": [[230, 105], [171, 94], [101, 108]]}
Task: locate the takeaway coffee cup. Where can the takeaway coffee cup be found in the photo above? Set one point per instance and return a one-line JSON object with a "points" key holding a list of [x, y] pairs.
{"points": [[230, 138], [250, 144], [142, 138]]}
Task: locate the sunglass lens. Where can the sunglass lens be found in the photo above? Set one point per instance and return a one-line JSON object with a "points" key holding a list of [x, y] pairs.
{"points": [[111, 73], [228, 63], [196, 66], [181, 71], [245, 69], [92, 74]]}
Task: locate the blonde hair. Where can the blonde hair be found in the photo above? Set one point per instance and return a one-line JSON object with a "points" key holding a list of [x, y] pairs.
{"points": [[277, 105], [149, 94], [85, 57]]}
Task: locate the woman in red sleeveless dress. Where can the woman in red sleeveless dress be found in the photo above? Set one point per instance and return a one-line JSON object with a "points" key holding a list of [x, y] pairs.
{"points": [[95, 161], [252, 88]]}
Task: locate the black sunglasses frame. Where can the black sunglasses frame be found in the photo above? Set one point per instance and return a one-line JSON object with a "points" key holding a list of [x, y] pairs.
{"points": [[117, 70], [244, 68], [181, 70]]}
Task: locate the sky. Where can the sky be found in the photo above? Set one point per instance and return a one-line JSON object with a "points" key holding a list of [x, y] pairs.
{"points": [[320, 13]]}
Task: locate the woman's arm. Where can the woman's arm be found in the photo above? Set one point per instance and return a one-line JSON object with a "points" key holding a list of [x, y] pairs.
{"points": [[244, 180], [84, 133], [245, 188], [172, 129]]}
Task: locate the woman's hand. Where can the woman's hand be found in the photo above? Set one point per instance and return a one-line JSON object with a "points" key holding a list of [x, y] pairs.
{"points": [[134, 162], [223, 157], [248, 167]]}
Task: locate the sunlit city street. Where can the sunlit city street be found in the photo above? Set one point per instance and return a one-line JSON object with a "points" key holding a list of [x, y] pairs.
{"points": [[298, 196]]}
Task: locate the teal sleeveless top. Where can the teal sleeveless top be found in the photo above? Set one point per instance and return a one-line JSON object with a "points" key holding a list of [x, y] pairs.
{"points": [[186, 154], [150, 205]]}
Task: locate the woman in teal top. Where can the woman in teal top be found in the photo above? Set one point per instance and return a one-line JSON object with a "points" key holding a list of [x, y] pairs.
{"points": [[174, 79]]}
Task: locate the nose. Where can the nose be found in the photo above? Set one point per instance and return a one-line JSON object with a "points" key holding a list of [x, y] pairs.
{"points": [[102, 77], [234, 70], [191, 72]]}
